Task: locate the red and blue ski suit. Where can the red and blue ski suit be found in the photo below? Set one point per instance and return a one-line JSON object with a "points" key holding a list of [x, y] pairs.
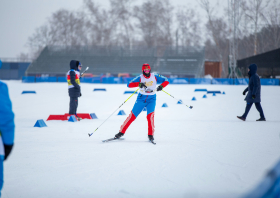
{"points": [[146, 98]]}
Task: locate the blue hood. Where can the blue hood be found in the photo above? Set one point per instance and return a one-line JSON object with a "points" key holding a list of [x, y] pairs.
{"points": [[253, 69], [74, 64]]}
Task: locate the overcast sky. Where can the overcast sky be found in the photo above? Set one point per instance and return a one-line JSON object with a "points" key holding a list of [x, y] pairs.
{"points": [[20, 18]]}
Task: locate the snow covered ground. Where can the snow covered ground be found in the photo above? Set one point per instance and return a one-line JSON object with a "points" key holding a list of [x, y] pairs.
{"points": [[203, 152]]}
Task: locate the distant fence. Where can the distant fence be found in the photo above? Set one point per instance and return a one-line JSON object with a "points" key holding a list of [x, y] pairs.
{"points": [[124, 80], [13, 71]]}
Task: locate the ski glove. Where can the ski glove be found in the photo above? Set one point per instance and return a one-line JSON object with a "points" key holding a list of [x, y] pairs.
{"points": [[253, 96], [8, 149], [159, 88], [244, 92], [141, 85]]}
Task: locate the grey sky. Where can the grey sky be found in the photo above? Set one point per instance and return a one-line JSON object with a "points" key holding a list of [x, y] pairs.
{"points": [[20, 18]]}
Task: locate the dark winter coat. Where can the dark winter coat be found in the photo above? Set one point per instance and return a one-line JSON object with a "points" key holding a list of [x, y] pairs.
{"points": [[254, 86], [76, 90]]}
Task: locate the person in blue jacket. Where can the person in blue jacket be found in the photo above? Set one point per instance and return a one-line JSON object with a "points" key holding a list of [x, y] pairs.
{"points": [[147, 82], [254, 93], [7, 128]]}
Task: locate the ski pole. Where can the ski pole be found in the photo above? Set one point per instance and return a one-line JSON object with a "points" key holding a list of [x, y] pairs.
{"points": [[84, 72], [177, 99], [113, 112]]}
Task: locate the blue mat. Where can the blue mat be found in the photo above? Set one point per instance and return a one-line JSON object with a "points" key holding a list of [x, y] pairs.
{"points": [[210, 92], [129, 92], [26, 92], [200, 90], [99, 90]]}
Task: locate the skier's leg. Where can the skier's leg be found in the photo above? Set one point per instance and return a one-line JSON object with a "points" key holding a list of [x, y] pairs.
{"points": [[247, 109], [138, 107], [72, 106], [259, 108], [150, 116], [76, 105], [151, 123]]}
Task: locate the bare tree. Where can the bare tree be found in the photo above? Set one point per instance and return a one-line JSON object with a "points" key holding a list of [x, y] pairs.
{"points": [[155, 22], [272, 18], [67, 28], [101, 24], [188, 30], [254, 10], [123, 11], [214, 27]]}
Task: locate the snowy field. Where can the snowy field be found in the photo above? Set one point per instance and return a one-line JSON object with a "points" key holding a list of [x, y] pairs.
{"points": [[203, 152]]}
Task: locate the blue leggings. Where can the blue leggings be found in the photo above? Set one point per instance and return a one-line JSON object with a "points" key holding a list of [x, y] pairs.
{"points": [[148, 101], [248, 107]]}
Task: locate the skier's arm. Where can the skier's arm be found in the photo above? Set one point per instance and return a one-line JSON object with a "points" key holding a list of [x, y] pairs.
{"points": [[73, 79], [162, 79], [134, 83], [7, 126]]}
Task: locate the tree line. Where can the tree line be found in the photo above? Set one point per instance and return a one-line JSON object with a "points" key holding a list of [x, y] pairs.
{"points": [[158, 23]]}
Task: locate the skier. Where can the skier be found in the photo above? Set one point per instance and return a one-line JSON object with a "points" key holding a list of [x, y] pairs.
{"points": [[7, 128], [254, 94], [146, 98], [74, 88]]}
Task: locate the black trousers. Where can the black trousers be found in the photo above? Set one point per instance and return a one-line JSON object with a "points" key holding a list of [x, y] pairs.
{"points": [[248, 107], [73, 105]]}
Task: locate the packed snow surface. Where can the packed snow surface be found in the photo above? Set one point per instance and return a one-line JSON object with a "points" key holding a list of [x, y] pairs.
{"points": [[201, 152]]}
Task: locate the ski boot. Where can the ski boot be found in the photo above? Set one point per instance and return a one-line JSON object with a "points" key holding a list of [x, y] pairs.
{"points": [[118, 135], [151, 138], [261, 119]]}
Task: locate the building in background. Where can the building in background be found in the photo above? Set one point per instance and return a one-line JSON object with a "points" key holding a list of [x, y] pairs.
{"points": [[213, 68], [268, 64], [13, 70], [185, 62]]}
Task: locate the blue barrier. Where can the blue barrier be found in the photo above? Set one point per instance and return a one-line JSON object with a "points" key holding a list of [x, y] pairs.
{"points": [[222, 81], [200, 81], [194, 99], [127, 79], [164, 105], [241, 81], [200, 90], [96, 80], [61, 79], [178, 80], [270, 81], [118, 80], [86, 80], [111, 80], [46, 79], [26, 92], [28, 79]]}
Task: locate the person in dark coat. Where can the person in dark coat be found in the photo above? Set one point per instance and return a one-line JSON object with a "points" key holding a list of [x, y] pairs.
{"points": [[74, 88], [254, 93]]}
